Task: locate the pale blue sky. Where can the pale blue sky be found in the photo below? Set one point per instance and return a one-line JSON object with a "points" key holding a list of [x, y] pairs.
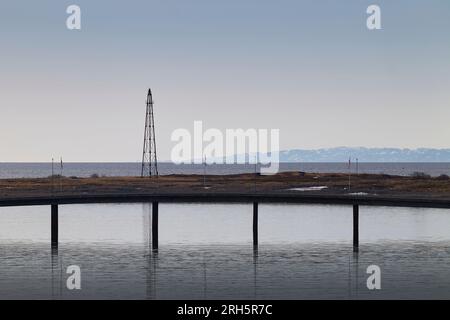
{"points": [[308, 68]]}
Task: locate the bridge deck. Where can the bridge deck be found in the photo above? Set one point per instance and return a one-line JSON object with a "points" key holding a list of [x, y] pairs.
{"points": [[210, 197]]}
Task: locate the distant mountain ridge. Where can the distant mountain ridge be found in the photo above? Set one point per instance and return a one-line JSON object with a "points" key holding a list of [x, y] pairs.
{"points": [[342, 154]]}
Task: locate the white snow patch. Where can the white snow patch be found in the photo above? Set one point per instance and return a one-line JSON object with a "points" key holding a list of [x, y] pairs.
{"points": [[309, 188]]}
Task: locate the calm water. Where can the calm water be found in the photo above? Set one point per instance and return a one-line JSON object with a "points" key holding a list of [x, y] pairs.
{"points": [[39, 170], [206, 252]]}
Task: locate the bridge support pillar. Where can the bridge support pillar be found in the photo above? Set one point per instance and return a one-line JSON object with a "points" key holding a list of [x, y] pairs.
{"points": [[54, 225], [155, 225], [355, 227], [255, 223]]}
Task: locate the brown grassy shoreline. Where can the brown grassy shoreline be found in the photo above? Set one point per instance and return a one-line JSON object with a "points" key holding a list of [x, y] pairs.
{"points": [[378, 184]]}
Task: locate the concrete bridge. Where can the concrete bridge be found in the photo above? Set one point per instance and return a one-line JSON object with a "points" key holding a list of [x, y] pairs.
{"points": [[216, 197]]}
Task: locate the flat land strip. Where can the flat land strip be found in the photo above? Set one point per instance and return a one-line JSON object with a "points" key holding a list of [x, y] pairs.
{"points": [[287, 182]]}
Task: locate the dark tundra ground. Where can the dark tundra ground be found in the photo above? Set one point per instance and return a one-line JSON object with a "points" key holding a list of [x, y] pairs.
{"points": [[418, 185]]}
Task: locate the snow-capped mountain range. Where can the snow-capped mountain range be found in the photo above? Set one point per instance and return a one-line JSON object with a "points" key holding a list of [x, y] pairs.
{"points": [[341, 154]]}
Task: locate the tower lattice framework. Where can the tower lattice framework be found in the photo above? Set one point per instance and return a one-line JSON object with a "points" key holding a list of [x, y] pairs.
{"points": [[149, 159]]}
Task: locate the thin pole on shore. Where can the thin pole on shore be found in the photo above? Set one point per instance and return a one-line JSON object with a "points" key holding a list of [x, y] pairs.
{"points": [[61, 175], [349, 173], [53, 174], [204, 172], [256, 170]]}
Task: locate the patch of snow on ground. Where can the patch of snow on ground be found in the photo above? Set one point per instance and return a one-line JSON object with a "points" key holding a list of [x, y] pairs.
{"points": [[309, 188]]}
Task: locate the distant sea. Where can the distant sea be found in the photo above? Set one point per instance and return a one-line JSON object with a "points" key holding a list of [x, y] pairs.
{"points": [[40, 170]]}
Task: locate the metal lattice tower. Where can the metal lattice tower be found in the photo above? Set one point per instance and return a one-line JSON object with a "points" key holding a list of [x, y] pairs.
{"points": [[149, 160]]}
